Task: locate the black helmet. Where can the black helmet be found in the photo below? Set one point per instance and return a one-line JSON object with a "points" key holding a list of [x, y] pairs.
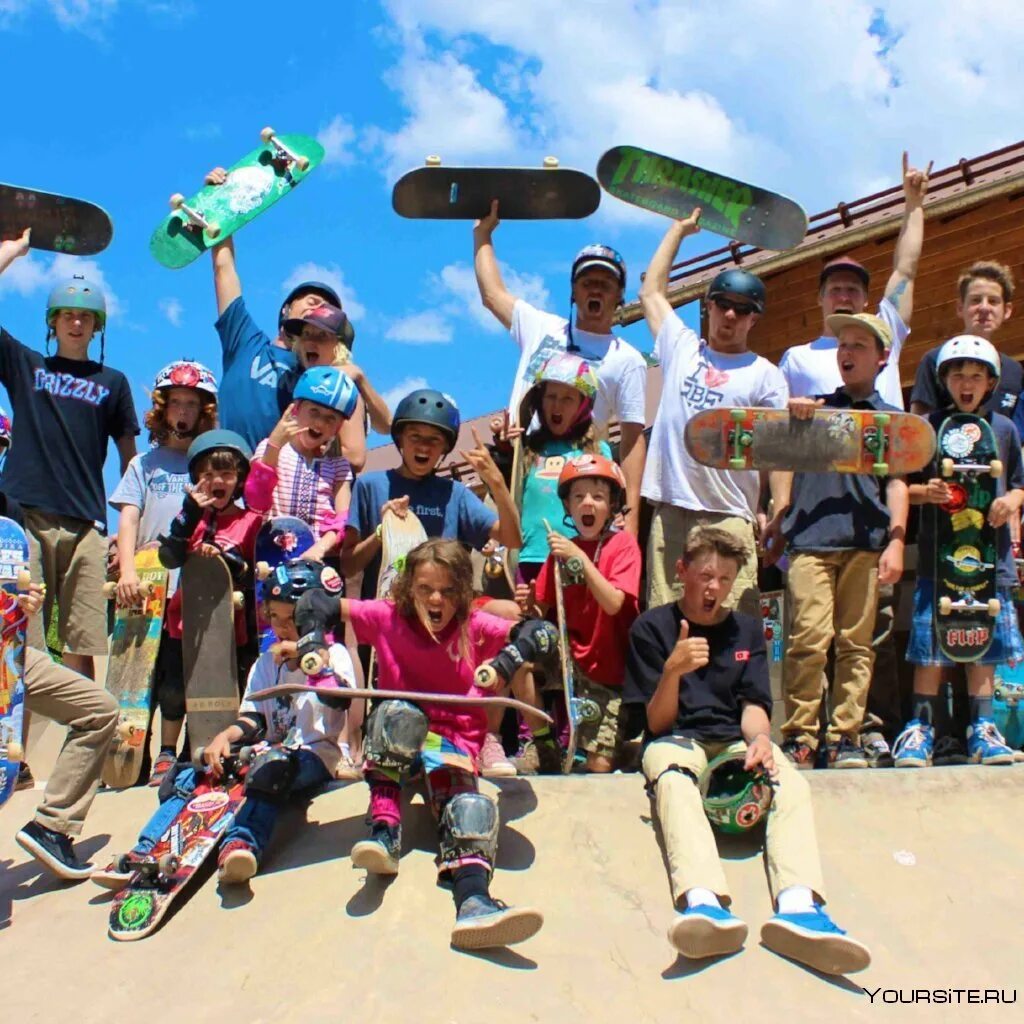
{"points": [[739, 282], [431, 407], [325, 291], [218, 440], [290, 580]]}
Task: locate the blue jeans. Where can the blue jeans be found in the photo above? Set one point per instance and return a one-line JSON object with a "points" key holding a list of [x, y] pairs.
{"points": [[185, 783]]}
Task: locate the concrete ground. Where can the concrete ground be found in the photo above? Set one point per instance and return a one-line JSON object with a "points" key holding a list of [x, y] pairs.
{"points": [[922, 866]]}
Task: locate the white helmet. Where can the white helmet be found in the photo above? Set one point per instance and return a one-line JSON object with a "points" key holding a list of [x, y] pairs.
{"points": [[187, 373], [968, 346]]}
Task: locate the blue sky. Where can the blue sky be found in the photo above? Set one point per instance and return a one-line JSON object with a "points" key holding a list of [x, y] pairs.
{"points": [[127, 101]]}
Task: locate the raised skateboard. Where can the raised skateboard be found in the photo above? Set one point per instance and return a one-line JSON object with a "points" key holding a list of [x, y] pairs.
{"points": [[134, 645], [58, 223], [435, 192], [280, 540], [14, 578], [1008, 703], [966, 552], [728, 207], [216, 212], [141, 905], [833, 441], [208, 647]]}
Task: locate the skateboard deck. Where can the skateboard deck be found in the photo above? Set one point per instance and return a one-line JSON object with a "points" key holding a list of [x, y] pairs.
{"points": [[13, 578], [134, 645], [773, 612], [216, 212], [435, 192], [834, 441], [728, 207], [520, 463], [208, 647], [966, 550], [58, 223], [141, 905], [1008, 703], [280, 540]]}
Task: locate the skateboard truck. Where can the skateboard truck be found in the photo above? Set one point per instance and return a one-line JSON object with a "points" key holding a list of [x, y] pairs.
{"points": [[967, 604], [948, 467], [876, 441], [194, 219], [586, 710], [283, 152], [739, 440]]}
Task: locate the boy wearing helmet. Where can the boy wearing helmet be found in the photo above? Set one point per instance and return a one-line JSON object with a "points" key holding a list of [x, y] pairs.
{"points": [[601, 596], [701, 670], [67, 409], [968, 367], [149, 496], [598, 285]]}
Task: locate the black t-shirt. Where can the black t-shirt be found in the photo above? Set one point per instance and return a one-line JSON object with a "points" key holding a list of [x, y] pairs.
{"points": [[711, 699], [931, 393], [10, 509], [64, 413]]}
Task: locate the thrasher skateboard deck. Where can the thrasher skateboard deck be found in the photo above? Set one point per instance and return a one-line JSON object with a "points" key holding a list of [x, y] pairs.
{"points": [[833, 441], [134, 645], [728, 207], [280, 540], [14, 578], [436, 192], [216, 212], [58, 223], [966, 550], [1008, 703], [208, 647]]}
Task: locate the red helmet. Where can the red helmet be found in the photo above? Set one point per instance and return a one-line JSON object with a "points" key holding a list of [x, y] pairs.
{"points": [[585, 467]]}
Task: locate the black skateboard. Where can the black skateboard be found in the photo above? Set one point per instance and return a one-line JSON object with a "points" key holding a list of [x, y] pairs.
{"points": [[58, 223]]}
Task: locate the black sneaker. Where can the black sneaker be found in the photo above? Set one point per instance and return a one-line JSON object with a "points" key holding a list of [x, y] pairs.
{"points": [[949, 750], [799, 754], [484, 923], [26, 780], [53, 849], [380, 853], [846, 754]]}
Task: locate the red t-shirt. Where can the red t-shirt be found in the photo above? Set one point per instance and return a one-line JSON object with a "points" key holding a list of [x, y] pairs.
{"points": [[599, 640]]}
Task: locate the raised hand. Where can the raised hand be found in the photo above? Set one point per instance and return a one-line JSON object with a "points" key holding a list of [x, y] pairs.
{"points": [[915, 182], [690, 652]]}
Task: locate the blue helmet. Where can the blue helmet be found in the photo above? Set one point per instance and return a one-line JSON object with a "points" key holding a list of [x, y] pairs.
{"points": [[431, 407], [218, 440], [327, 386]]}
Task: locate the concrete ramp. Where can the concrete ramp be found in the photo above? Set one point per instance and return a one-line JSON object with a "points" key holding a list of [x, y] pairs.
{"points": [[924, 866]]}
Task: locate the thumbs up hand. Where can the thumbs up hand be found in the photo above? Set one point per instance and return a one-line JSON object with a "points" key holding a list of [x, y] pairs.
{"points": [[690, 652]]}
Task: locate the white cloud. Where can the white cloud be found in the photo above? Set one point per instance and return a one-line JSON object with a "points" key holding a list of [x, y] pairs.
{"points": [[394, 395], [330, 274], [36, 273], [336, 138], [459, 282], [173, 310], [85, 16], [427, 328]]}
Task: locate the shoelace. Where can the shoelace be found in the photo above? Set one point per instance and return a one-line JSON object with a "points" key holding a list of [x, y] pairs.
{"points": [[990, 734], [912, 739]]}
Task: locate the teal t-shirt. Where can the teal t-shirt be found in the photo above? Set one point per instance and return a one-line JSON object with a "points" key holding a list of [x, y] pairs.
{"points": [[540, 497]]}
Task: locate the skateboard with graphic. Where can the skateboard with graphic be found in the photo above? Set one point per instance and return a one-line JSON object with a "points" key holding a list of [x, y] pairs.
{"points": [[134, 646], [280, 540], [14, 579], [1008, 703], [966, 549], [728, 207], [216, 212], [58, 223], [436, 192], [833, 441]]}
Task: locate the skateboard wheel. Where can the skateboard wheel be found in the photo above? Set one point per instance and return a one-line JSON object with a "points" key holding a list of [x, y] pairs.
{"points": [[588, 710], [123, 862], [177, 200], [197, 757], [995, 467], [550, 162], [737, 415], [109, 589], [946, 467], [24, 579], [433, 161], [262, 570], [244, 754], [486, 677], [945, 605], [737, 463], [312, 664], [169, 864], [880, 469], [213, 230], [267, 134], [303, 163], [125, 730], [993, 607], [881, 419], [15, 752], [237, 600]]}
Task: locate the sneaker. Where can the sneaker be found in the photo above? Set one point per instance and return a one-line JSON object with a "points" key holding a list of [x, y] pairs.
{"points": [[985, 744], [493, 762], [379, 854], [164, 762], [914, 746], [348, 769], [53, 849], [26, 780], [118, 873], [846, 754], [876, 750], [800, 755], [541, 756], [236, 862], [706, 930], [949, 750], [483, 923], [814, 939]]}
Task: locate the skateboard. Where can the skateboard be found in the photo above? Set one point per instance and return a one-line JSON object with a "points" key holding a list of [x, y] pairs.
{"points": [[1008, 703], [216, 212], [280, 540], [435, 192], [14, 577], [58, 223], [508, 560], [134, 645], [834, 441], [773, 610], [965, 545], [141, 905], [208, 647], [728, 207]]}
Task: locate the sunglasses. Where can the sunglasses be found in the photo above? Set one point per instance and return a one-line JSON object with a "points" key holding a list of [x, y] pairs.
{"points": [[739, 308]]}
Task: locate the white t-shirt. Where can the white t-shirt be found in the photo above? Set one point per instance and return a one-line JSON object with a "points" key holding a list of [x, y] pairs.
{"points": [[621, 370], [300, 720], [698, 378], [813, 369]]}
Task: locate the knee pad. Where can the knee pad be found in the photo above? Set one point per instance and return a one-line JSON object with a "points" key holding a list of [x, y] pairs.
{"points": [[652, 786], [469, 827], [395, 734], [271, 774], [535, 640]]}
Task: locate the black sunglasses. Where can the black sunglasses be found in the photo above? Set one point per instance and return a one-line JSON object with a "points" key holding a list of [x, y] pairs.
{"points": [[739, 308]]}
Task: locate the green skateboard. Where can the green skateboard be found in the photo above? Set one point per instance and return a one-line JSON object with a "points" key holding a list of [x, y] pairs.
{"points": [[216, 212]]}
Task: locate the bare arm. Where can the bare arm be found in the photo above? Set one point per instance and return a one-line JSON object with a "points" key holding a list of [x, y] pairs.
{"points": [[126, 450], [654, 290], [632, 456], [900, 288], [352, 437], [13, 249], [493, 293], [226, 283], [380, 414]]}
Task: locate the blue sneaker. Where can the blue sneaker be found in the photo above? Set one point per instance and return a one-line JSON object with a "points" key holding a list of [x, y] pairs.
{"points": [[914, 746], [985, 744], [814, 939], [704, 931]]}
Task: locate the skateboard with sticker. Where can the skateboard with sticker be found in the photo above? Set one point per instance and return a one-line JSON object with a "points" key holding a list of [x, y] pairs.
{"points": [[14, 579], [280, 540], [216, 212], [436, 192], [728, 207], [966, 549], [832, 441], [1008, 703], [58, 223], [134, 646]]}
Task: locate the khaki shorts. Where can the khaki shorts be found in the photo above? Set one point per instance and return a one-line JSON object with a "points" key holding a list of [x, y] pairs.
{"points": [[605, 736], [69, 557]]}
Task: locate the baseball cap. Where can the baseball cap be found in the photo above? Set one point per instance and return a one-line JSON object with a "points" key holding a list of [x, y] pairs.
{"points": [[326, 317], [875, 324], [844, 263]]}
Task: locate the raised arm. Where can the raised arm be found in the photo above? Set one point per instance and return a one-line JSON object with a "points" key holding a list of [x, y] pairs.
{"points": [[14, 248], [654, 290], [493, 293], [900, 288]]}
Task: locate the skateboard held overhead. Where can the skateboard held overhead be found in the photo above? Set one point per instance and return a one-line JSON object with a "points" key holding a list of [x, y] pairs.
{"points": [[436, 192], [58, 223], [728, 207], [14, 578]]}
